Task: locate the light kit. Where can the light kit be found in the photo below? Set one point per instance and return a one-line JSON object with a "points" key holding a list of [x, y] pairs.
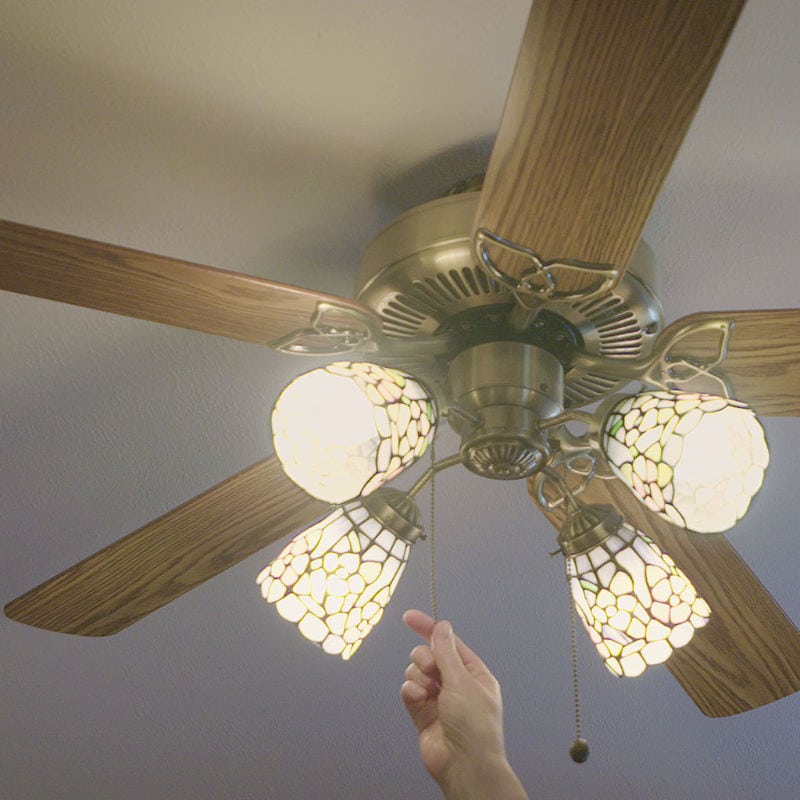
{"points": [[334, 579], [343, 430], [635, 604], [693, 458]]}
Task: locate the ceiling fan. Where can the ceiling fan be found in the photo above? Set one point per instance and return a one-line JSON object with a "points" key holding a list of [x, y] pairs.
{"points": [[514, 302]]}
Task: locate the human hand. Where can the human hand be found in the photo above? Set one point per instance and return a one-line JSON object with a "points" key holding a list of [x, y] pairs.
{"points": [[455, 703]]}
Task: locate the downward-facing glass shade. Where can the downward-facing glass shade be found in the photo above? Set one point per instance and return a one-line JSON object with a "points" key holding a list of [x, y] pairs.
{"points": [[343, 430], [636, 605], [334, 579], [694, 459]]}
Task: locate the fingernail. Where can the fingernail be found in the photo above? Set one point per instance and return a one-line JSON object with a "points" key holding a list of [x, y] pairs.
{"points": [[447, 629]]}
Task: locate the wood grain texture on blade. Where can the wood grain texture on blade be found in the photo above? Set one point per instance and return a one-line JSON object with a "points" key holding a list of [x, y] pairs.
{"points": [[187, 546], [748, 654], [602, 94], [119, 280], [763, 361]]}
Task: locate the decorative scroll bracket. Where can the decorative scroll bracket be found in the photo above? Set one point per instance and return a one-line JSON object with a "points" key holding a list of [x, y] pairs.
{"points": [[538, 283], [581, 456], [339, 329], [671, 372], [328, 336], [662, 368], [581, 461]]}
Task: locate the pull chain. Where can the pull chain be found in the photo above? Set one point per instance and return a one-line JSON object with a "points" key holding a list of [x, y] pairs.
{"points": [[579, 749], [431, 535]]}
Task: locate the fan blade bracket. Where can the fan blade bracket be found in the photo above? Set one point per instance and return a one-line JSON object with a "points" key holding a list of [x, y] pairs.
{"points": [[333, 330], [336, 329], [670, 371], [665, 369], [761, 361], [540, 281]]}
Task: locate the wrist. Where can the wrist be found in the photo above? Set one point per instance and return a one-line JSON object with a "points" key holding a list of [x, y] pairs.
{"points": [[480, 778]]}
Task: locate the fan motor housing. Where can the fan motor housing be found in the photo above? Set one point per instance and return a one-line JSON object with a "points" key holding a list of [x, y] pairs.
{"points": [[420, 275]]}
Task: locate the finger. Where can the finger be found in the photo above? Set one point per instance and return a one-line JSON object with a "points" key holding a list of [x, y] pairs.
{"points": [[422, 656], [420, 707], [443, 644], [422, 625], [419, 622], [427, 682], [412, 692]]}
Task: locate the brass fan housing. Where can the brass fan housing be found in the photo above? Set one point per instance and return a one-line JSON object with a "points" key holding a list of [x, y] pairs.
{"points": [[421, 277]]}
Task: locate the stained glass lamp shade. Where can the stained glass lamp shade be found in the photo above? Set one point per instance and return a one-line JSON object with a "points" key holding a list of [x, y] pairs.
{"points": [[334, 579], [635, 603], [345, 429], [696, 460]]}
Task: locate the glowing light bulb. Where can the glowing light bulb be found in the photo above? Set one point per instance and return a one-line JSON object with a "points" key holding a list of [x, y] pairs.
{"points": [[345, 429], [696, 460], [635, 603], [335, 578]]}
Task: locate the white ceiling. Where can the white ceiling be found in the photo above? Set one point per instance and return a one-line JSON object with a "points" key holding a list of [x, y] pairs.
{"points": [[276, 138]]}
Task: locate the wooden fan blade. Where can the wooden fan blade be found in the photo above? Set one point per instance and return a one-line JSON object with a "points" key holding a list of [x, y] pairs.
{"points": [[763, 361], [601, 97], [748, 654], [152, 566], [107, 277]]}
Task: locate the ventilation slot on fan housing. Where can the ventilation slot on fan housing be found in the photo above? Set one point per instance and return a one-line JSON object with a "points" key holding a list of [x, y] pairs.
{"points": [[621, 324], [618, 329], [427, 302]]}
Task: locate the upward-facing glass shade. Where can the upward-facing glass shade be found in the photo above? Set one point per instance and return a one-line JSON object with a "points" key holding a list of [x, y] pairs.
{"points": [[694, 459], [334, 579], [635, 604], [343, 430]]}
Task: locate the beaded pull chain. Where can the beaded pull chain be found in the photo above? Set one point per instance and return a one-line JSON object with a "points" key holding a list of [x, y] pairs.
{"points": [[579, 749], [431, 535]]}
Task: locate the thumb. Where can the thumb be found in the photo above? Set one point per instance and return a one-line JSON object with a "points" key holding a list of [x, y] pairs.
{"points": [[443, 644]]}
